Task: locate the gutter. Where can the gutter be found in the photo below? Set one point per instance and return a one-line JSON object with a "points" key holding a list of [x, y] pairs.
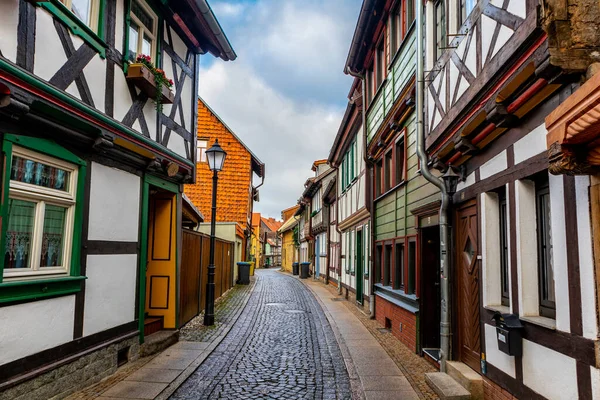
{"points": [[361, 25], [444, 231], [216, 29], [367, 203]]}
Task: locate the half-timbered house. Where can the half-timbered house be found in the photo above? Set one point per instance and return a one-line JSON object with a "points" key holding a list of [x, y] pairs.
{"points": [[521, 235], [404, 206], [350, 255], [96, 144]]}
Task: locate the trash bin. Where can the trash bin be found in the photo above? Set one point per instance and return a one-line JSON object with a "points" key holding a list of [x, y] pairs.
{"points": [[295, 268], [243, 273], [304, 270]]}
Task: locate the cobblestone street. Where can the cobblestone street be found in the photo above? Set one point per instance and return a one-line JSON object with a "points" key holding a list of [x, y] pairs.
{"points": [[281, 347]]}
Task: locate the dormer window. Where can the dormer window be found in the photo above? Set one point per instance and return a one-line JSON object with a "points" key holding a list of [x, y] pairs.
{"points": [[143, 28], [86, 10]]}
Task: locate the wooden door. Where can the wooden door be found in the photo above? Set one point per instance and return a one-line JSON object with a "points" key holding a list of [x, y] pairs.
{"points": [[467, 278], [430, 287], [359, 267]]}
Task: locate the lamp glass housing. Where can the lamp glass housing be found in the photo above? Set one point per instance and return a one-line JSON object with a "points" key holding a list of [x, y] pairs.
{"points": [[215, 156], [450, 180]]}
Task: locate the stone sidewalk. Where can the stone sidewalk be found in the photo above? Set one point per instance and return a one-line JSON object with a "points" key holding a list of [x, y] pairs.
{"points": [[157, 377], [381, 376]]}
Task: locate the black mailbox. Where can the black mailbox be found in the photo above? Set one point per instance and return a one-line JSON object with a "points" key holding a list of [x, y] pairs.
{"points": [[509, 334]]}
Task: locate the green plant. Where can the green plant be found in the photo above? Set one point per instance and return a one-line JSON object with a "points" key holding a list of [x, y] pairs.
{"points": [[160, 79], [315, 212]]}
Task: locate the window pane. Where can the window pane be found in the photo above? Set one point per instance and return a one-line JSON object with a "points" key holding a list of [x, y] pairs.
{"points": [[388, 266], [146, 19], [504, 278], [53, 236], [147, 45], [409, 286], [399, 161], [39, 174], [133, 40], [410, 13], [19, 234], [82, 9], [399, 271]]}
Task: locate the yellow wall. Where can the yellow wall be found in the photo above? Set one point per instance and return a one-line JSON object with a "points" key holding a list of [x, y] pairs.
{"points": [[256, 247], [288, 251]]}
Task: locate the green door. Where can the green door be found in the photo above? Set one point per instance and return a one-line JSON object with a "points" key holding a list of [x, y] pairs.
{"points": [[359, 267]]}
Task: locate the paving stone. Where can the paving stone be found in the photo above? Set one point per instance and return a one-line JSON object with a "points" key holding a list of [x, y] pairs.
{"points": [[281, 347], [157, 375], [135, 390]]}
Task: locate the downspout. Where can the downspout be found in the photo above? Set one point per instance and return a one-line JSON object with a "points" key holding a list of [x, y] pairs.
{"points": [[339, 235], [444, 231], [367, 204]]}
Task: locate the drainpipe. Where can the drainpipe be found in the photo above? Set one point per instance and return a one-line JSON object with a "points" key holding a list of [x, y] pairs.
{"points": [[367, 204], [444, 231]]}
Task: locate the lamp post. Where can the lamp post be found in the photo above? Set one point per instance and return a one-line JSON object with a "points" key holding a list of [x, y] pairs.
{"points": [[215, 157]]}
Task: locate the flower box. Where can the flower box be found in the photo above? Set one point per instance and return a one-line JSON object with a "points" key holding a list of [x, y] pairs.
{"points": [[143, 78]]}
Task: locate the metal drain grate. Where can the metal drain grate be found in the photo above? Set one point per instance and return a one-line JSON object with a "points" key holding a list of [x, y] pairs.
{"points": [[337, 299], [384, 330]]}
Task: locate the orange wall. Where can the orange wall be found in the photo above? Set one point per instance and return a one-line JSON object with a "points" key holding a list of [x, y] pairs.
{"points": [[233, 193]]}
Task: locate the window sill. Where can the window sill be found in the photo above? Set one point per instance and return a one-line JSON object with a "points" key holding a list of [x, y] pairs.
{"points": [[499, 308], [20, 291], [548, 323], [75, 25]]}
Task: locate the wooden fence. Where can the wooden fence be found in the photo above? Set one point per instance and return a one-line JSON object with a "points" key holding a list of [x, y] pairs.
{"points": [[194, 272]]}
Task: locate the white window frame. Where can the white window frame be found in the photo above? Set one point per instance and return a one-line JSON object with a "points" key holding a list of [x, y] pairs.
{"points": [[143, 29], [94, 13], [201, 155], [42, 196]]}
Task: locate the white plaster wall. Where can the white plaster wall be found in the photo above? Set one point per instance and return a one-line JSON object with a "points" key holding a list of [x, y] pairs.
{"points": [[493, 166], [549, 373], [177, 144], [109, 292], [9, 21], [120, 26], [559, 252], [595, 374], [168, 68], [498, 359], [186, 102], [526, 248], [29, 328], [178, 45], [122, 99], [586, 260], [151, 116], [49, 54], [531, 144], [114, 204], [490, 252], [94, 71], [470, 180]]}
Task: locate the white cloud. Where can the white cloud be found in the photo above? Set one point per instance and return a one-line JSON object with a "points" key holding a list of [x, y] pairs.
{"points": [[228, 10], [285, 134], [286, 93]]}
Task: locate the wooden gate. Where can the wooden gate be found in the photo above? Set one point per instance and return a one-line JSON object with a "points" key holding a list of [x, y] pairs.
{"points": [[467, 276], [194, 270]]}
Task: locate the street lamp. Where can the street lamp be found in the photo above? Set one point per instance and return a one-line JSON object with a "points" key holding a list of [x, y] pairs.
{"points": [[450, 180], [215, 156]]}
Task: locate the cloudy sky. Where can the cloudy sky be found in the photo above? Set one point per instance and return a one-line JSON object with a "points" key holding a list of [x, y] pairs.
{"points": [[286, 93]]}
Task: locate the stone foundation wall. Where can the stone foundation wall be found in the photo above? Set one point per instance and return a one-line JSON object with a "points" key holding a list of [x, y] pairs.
{"points": [[397, 315], [491, 391], [77, 375]]}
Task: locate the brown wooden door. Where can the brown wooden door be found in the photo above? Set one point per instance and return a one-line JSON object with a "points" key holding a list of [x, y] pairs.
{"points": [[467, 277], [189, 298]]}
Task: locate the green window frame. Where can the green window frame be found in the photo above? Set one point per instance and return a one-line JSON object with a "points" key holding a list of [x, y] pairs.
{"points": [[38, 286], [77, 26]]}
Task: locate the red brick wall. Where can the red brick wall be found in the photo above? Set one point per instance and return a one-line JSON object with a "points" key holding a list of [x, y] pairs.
{"points": [[384, 309], [491, 391]]}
